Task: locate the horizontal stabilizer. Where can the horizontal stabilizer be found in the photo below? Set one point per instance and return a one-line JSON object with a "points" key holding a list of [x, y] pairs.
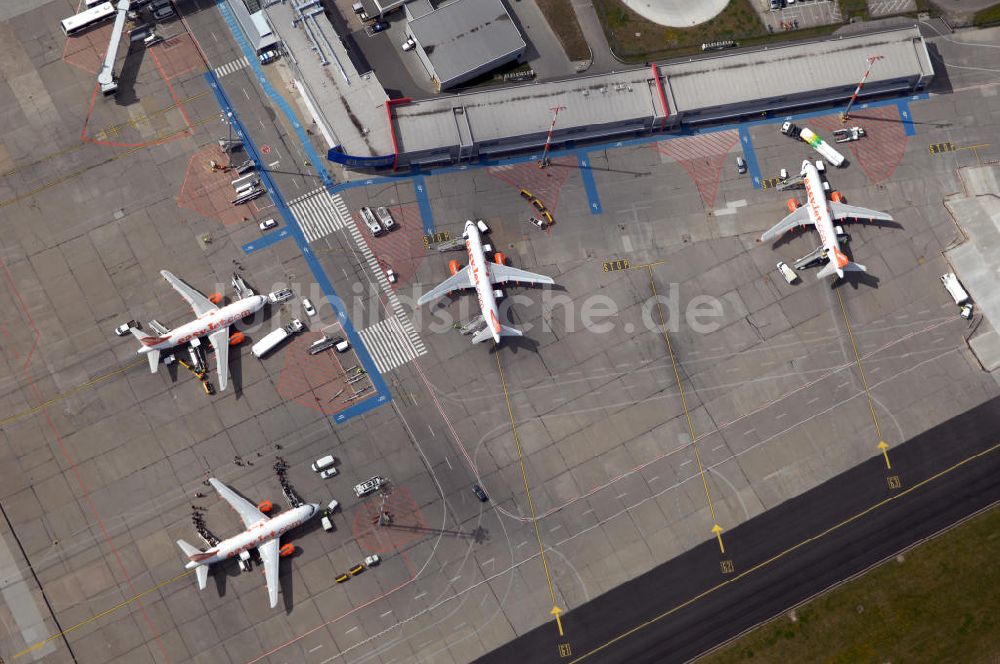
{"points": [[832, 267], [154, 360]]}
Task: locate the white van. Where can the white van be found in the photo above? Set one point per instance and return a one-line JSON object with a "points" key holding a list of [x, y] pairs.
{"points": [[787, 272], [323, 463]]}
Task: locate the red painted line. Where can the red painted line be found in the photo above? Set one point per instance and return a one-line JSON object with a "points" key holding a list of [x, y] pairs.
{"points": [[392, 132], [108, 540], [663, 94]]}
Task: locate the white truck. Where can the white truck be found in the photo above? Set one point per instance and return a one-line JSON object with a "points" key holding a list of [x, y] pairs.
{"points": [[822, 147], [958, 293], [275, 337]]}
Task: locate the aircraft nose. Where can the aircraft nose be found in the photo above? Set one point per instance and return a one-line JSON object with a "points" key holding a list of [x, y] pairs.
{"points": [[315, 508]]}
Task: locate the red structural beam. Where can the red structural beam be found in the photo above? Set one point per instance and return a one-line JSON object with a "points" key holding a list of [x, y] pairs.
{"points": [[392, 132], [663, 93]]}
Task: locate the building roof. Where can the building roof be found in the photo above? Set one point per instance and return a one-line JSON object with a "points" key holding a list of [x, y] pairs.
{"points": [[488, 116], [774, 72], [464, 35]]}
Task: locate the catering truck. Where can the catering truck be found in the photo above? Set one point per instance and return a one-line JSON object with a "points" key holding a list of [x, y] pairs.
{"points": [[272, 339]]}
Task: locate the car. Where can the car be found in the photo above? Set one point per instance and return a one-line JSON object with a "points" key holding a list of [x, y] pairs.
{"points": [[164, 13], [787, 272], [308, 307], [391, 275], [370, 485], [328, 473], [379, 26], [383, 216], [480, 494], [741, 165], [124, 328], [268, 56], [409, 44], [372, 560], [332, 507], [966, 311], [268, 224], [323, 463], [326, 522]]}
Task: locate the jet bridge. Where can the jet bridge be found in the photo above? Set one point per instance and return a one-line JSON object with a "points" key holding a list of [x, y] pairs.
{"points": [[106, 77]]}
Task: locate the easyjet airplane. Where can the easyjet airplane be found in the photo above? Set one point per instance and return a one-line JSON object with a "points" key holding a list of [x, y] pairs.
{"points": [[261, 532], [820, 212], [212, 321], [482, 276]]}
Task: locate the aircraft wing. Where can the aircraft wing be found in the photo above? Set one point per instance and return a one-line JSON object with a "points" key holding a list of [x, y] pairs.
{"points": [[798, 218], [220, 341], [248, 511], [269, 555], [457, 281], [501, 274], [198, 302], [840, 211]]}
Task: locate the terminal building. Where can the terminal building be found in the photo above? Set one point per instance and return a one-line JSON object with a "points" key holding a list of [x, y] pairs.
{"points": [[253, 21], [462, 40], [671, 97]]}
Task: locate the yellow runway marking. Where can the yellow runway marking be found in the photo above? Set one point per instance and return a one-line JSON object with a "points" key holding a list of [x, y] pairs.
{"points": [[90, 383], [882, 445], [716, 528], [778, 556], [102, 614], [556, 610]]}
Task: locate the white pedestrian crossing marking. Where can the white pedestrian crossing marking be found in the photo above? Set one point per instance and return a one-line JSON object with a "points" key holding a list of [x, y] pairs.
{"points": [[318, 214], [388, 344], [230, 67]]}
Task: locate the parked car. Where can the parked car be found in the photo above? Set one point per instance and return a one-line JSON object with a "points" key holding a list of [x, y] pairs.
{"points": [[323, 463], [328, 473], [379, 26], [372, 560], [332, 507], [741, 165], [480, 494], [391, 275], [409, 44], [308, 307], [268, 224], [268, 56]]}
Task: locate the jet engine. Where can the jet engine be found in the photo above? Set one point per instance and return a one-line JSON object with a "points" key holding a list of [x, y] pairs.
{"points": [[286, 550], [837, 197], [499, 258], [236, 338], [792, 204], [454, 267], [215, 298]]}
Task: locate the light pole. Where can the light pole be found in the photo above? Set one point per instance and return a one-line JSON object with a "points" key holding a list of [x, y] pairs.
{"points": [[847, 111], [548, 141]]}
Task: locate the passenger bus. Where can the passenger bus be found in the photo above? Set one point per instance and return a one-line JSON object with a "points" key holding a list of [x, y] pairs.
{"points": [[88, 18]]}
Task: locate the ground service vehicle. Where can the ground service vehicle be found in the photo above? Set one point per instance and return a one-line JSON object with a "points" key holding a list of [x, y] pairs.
{"points": [[280, 296], [787, 272], [954, 288], [822, 147], [273, 338], [370, 485], [386, 218], [323, 463], [373, 226]]}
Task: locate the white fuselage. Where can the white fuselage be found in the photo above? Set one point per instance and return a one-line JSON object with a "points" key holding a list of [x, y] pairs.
{"points": [[208, 323], [258, 534], [819, 212], [479, 271]]}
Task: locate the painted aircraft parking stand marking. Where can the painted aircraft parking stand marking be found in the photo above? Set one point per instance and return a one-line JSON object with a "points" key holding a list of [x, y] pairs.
{"points": [[589, 184], [426, 215], [382, 394]]}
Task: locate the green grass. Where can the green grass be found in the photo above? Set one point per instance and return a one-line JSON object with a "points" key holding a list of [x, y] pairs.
{"points": [[988, 16], [941, 604], [634, 39], [562, 19], [856, 8]]}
